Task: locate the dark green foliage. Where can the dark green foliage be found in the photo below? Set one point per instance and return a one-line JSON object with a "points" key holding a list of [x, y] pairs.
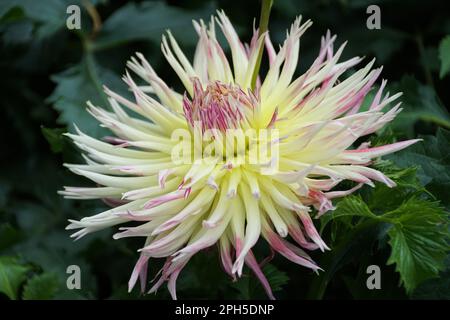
{"points": [[12, 274], [41, 287], [49, 72], [444, 56]]}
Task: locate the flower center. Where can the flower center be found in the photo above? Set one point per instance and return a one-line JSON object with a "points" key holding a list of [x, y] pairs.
{"points": [[218, 106]]}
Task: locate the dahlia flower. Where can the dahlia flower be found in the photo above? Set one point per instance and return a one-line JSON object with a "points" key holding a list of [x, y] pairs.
{"points": [[222, 196]]}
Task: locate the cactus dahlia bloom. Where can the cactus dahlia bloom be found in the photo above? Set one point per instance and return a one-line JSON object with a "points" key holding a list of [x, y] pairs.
{"points": [[182, 208]]}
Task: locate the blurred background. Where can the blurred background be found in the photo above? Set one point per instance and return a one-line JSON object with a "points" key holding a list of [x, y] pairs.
{"points": [[48, 73]]}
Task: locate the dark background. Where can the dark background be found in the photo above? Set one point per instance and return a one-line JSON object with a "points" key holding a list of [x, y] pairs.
{"points": [[48, 72]]}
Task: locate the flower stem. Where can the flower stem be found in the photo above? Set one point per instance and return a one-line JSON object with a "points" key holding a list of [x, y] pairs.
{"points": [[96, 20], [266, 6]]}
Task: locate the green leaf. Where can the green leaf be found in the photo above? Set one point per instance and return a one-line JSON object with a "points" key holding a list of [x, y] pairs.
{"points": [[433, 158], [417, 228], [54, 138], [444, 56], [382, 199], [418, 239], [277, 278], [147, 21], [48, 15], [250, 288], [77, 85], [435, 289], [403, 177], [12, 274], [419, 102], [41, 287], [8, 236], [5, 189], [348, 206], [243, 286], [353, 245], [382, 43]]}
